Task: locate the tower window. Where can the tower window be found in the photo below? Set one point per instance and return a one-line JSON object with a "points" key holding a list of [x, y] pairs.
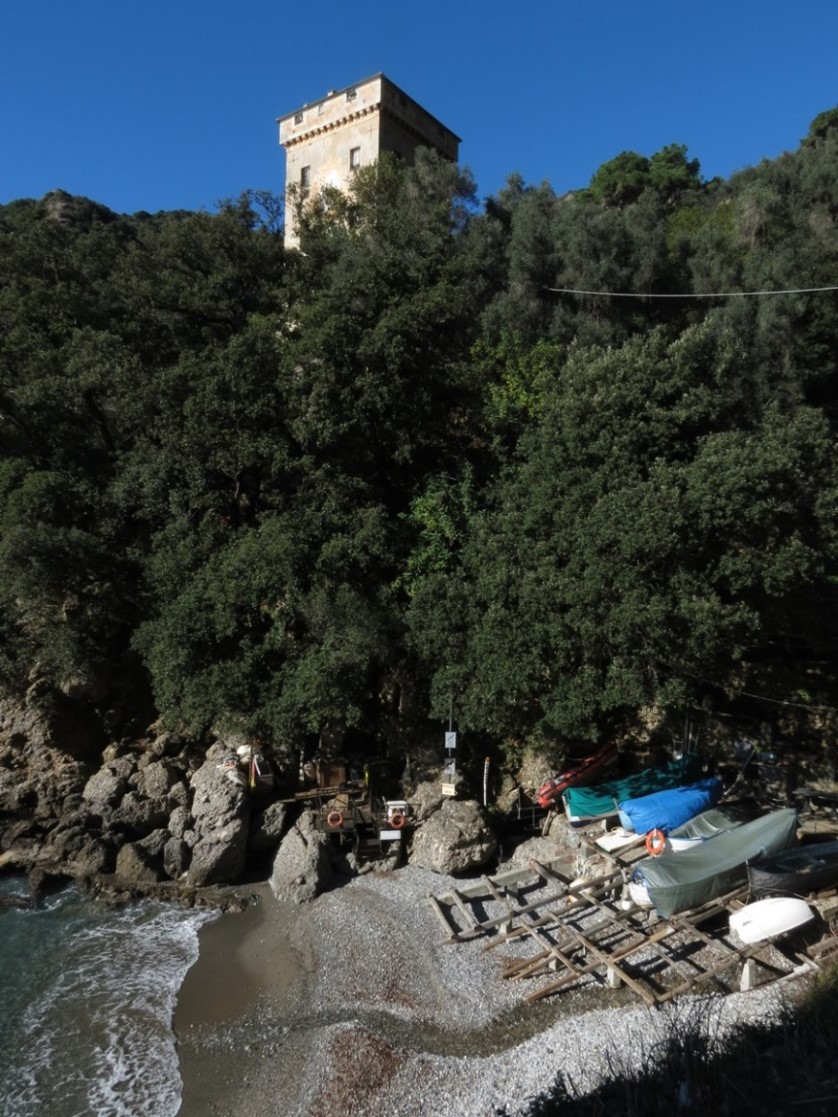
{"points": [[298, 118], [351, 94], [354, 158], [305, 177]]}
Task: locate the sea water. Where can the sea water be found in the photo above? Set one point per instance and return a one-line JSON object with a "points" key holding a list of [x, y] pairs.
{"points": [[87, 997]]}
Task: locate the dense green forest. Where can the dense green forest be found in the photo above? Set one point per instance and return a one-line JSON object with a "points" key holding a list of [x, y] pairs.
{"points": [[407, 468]]}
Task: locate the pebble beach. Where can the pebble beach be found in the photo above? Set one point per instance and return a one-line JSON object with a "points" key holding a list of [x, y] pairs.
{"points": [[355, 1003]]}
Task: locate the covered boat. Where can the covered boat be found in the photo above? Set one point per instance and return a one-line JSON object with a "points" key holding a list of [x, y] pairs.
{"points": [[586, 804], [678, 881], [581, 774], [699, 829], [664, 810], [795, 872]]}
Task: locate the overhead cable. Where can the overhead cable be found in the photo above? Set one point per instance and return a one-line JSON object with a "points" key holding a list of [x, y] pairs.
{"points": [[687, 295]]}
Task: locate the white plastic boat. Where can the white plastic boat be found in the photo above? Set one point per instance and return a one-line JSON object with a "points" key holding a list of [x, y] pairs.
{"points": [[766, 919]]}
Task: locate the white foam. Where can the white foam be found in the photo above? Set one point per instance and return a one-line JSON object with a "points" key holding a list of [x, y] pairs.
{"points": [[96, 1036]]}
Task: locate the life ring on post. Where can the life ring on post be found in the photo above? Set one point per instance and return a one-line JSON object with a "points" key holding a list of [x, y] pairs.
{"points": [[334, 820], [397, 820], [655, 842]]}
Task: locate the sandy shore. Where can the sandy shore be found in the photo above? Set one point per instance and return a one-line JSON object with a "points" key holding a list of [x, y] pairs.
{"points": [[355, 1004]]}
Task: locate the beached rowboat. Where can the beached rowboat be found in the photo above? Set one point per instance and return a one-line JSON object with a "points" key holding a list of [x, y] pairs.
{"points": [[766, 919], [676, 882], [588, 804], [795, 872], [665, 810], [584, 772]]}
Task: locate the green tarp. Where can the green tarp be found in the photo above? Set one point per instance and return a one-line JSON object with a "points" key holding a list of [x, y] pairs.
{"points": [[585, 803], [681, 881]]}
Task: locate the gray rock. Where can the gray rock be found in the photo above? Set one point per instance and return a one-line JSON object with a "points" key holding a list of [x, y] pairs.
{"points": [[302, 867], [179, 796], [176, 858], [220, 820], [267, 827], [93, 859], [104, 789], [455, 839], [178, 822], [137, 817], [156, 779], [425, 798], [155, 842], [135, 865]]}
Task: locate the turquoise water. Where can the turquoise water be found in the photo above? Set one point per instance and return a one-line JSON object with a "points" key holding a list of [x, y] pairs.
{"points": [[87, 996]]}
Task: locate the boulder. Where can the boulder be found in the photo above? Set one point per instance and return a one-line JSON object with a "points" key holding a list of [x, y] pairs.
{"points": [[176, 858], [136, 817], [302, 867], [425, 798], [542, 849], [455, 839], [220, 818], [94, 858], [267, 827], [104, 789], [156, 779], [178, 822], [135, 865]]}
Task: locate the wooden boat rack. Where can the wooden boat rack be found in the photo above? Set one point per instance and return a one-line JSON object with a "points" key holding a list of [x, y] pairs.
{"points": [[562, 931]]}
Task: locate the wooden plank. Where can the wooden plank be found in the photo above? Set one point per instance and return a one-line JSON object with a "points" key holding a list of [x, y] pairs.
{"points": [[467, 914], [553, 987], [608, 961], [451, 933]]}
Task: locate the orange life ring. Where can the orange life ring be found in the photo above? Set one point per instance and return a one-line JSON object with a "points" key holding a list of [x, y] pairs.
{"points": [[334, 819], [655, 842], [397, 820]]}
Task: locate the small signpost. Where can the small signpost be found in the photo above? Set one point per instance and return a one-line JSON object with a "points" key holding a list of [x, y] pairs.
{"points": [[449, 786]]}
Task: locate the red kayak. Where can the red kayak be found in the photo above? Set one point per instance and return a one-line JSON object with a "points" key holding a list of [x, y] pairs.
{"points": [[585, 772]]}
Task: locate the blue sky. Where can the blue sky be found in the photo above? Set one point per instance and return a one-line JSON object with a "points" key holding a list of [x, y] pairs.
{"points": [[172, 105]]}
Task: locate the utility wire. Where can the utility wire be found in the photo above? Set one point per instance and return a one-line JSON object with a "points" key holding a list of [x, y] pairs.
{"points": [[687, 295]]}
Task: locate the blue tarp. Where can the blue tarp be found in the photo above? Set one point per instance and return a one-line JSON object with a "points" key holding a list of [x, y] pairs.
{"points": [[585, 803], [664, 810]]}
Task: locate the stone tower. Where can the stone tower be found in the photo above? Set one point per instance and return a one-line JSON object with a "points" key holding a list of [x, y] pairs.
{"points": [[327, 140]]}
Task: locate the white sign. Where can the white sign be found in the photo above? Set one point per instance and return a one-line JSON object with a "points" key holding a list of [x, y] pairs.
{"points": [[450, 740], [389, 835]]}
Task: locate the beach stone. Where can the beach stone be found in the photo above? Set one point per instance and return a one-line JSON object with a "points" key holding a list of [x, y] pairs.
{"points": [[220, 821], [302, 867], [267, 827], [455, 839]]}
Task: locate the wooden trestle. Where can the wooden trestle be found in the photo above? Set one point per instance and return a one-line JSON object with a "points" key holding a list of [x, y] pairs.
{"points": [[565, 931]]}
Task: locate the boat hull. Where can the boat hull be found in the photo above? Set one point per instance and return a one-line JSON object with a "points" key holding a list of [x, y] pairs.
{"points": [[586, 772], [797, 872], [680, 881], [766, 919], [668, 809], [588, 804]]}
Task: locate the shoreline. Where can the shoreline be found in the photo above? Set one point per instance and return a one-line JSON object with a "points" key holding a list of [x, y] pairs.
{"points": [[246, 963], [354, 1003]]}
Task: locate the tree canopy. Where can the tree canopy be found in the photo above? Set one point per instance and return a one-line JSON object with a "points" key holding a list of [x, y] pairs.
{"points": [[412, 464]]}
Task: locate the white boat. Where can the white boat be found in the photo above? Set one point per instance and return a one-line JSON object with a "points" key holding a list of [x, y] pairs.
{"points": [[766, 919]]}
